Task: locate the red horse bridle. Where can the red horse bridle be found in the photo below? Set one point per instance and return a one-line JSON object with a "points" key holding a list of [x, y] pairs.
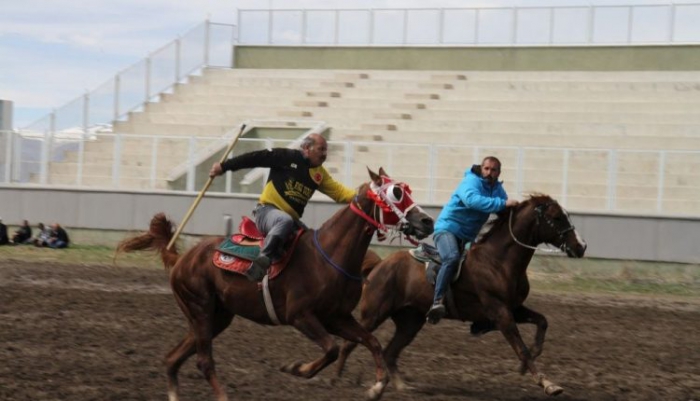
{"points": [[393, 210]]}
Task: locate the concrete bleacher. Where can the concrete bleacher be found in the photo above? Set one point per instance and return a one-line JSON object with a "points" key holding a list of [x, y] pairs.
{"points": [[465, 115]]}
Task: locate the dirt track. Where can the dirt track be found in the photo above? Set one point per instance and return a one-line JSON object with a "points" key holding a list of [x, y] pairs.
{"points": [[100, 333]]}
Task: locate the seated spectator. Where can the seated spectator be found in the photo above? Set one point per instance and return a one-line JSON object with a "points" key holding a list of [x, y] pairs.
{"points": [[23, 233], [3, 234], [58, 237], [42, 237]]}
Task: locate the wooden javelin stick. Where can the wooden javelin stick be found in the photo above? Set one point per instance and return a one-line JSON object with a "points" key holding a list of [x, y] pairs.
{"points": [[201, 193]]}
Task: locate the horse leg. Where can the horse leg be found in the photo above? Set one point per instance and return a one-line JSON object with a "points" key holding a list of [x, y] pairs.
{"points": [[370, 319], [506, 324], [206, 322], [345, 351], [408, 323], [526, 315], [185, 349], [311, 327], [349, 329], [174, 360]]}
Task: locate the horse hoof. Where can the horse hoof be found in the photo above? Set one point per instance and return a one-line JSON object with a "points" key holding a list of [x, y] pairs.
{"points": [[553, 390], [292, 368], [375, 392]]}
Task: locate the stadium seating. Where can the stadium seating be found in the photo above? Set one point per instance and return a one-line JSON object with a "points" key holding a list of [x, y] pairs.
{"points": [[557, 132]]}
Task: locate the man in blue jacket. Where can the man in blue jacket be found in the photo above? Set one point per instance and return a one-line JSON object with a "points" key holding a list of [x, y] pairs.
{"points": [[477, 196]]}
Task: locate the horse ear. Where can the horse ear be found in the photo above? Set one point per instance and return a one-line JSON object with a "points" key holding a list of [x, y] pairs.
{"points": [[376, 178], [382, 172]]}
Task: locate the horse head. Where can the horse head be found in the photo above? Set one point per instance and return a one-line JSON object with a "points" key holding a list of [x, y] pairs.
{"points": [[552, 225], [394, 206]]}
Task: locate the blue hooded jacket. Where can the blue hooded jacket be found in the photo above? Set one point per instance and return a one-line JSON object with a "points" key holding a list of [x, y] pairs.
{"points": [[470, 205]]}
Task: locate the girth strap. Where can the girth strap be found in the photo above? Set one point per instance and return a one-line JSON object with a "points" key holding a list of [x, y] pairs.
{"points": [[268, 301]]}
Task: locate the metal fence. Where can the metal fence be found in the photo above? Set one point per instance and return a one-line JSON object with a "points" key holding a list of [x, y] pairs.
{"points": [[206, 45], [211, 44], [606, 180], [511, 26]]}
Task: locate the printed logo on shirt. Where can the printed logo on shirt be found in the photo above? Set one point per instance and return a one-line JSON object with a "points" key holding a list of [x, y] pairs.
{"points": [[294, 165], [317, 178], [297, 192]]}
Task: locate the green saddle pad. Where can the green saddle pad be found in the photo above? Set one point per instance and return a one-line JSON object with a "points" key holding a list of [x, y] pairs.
{"points": [[248, 252]]}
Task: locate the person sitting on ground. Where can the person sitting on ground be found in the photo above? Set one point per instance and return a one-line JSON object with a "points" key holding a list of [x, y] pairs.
{"points": [[22, 234], [295, 174], [58, 237], [3, 234], [42, 236]]}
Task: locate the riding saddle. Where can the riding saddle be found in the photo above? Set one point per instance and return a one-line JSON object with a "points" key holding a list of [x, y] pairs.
{"points": [[236, 252], [430, 256]]}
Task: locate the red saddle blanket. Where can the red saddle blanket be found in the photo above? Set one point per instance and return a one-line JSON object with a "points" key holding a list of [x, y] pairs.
{"points": [[249, 236]]}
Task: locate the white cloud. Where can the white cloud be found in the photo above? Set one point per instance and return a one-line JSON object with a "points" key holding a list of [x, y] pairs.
{"points": [[59, 48], [53, 50]]}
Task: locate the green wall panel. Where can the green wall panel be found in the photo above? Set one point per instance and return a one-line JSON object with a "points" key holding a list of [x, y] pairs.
{"points": [[588, 58]]}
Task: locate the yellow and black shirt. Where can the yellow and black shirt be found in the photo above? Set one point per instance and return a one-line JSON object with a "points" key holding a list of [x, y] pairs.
{"points": [[292, 181]]}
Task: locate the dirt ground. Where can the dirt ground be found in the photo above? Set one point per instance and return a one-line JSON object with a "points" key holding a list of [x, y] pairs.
{"points": [[101, 332]]}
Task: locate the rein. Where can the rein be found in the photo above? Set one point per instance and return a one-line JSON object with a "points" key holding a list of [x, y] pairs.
{"points": [[330, 262], [380, 199], [353, 206], [547, 250]]}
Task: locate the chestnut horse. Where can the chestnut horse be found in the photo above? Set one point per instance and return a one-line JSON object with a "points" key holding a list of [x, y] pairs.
{"points": [[316, 292], [490, 290]]}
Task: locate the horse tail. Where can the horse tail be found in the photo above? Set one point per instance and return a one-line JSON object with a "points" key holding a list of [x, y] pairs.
{"points": [[157, 238], [371, 260]]}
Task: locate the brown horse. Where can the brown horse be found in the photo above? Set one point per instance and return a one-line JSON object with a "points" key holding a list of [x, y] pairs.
{"points": [[315, 293], [490, 290]]}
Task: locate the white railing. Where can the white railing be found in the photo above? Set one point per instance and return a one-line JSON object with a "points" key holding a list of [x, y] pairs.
{"points": [[607, 180], [206, 45], [502, 26]]}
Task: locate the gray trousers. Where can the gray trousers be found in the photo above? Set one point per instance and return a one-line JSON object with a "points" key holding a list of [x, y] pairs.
{"points": [[277, 226]]}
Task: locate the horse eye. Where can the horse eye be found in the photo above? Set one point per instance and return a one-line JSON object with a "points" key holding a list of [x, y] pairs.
{"points": [[395, 194]]}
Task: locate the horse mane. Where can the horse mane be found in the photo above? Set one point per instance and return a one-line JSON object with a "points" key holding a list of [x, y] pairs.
{"points": [[494, 224], [361, 191]]}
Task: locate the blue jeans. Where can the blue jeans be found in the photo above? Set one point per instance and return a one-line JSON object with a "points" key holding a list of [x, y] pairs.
{"points": [[450, 249], [58, 244]]}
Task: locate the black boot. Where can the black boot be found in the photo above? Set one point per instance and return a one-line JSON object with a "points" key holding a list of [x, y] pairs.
{"points": [[258, 268], [436, 312], [273, 247]]}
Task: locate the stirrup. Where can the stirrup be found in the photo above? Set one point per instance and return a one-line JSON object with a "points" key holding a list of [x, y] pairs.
{"points": [[436, 312], [258, 268]]}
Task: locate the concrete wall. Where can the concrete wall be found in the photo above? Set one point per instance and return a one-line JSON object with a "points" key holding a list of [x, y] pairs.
{"points": [[104, 217], [584, 58], [6, 114]]}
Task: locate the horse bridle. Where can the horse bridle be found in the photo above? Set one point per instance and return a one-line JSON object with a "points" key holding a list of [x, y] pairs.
{"points": [[384, 205], [540, 215], [381, 202]]}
